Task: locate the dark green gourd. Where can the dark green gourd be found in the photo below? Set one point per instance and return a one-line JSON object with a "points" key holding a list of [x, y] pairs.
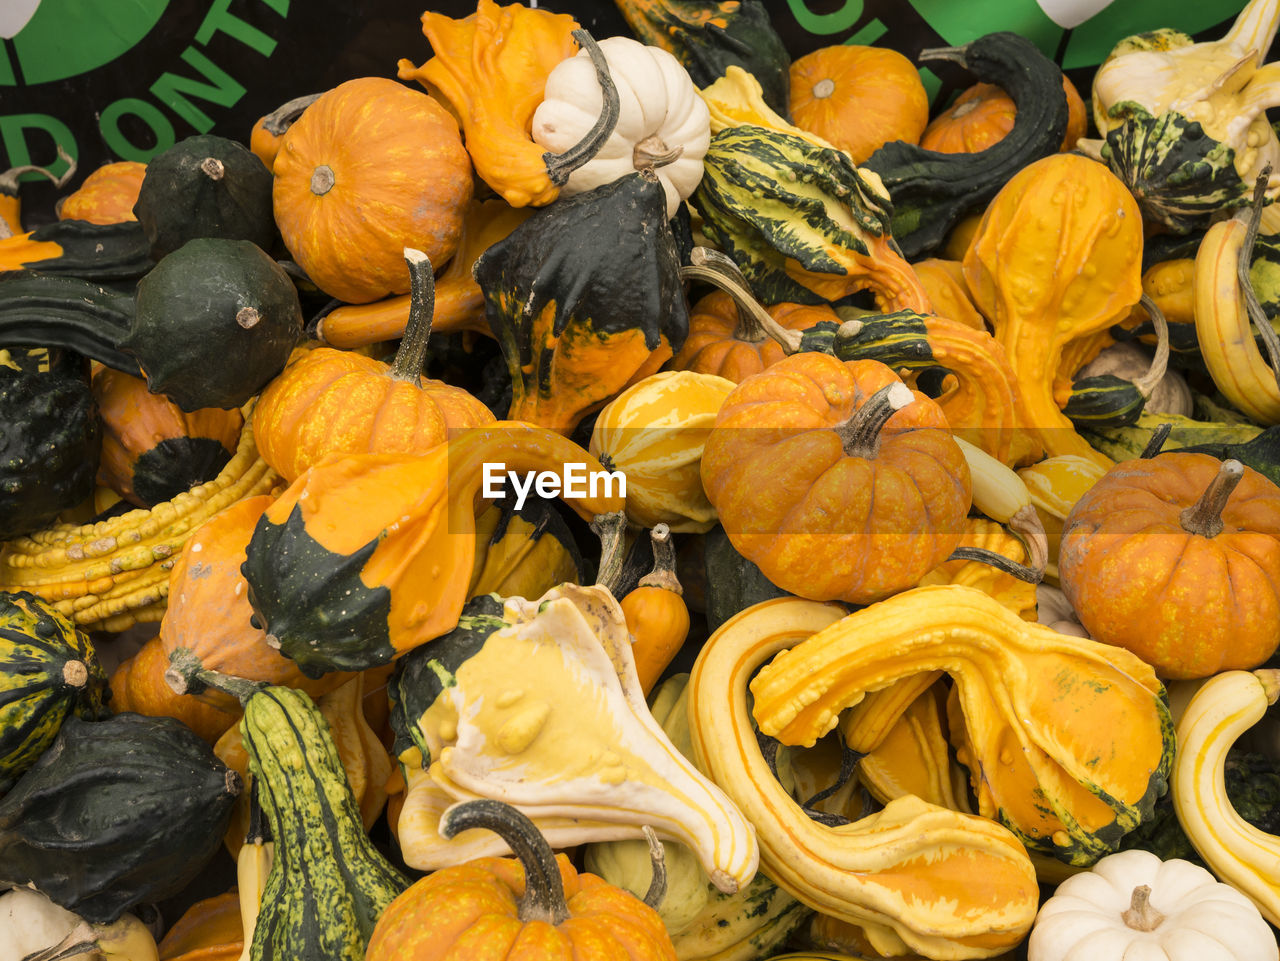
{"points": [[1106, 400], [116, 812], [97, 252], [733, 582], [932, 191]]}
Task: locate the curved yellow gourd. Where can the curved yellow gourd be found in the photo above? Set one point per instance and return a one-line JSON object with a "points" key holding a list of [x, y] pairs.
{"points": [[1248, 859], [915, 876]]}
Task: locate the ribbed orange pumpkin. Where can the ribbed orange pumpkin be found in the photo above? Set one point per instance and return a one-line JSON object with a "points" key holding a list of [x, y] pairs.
{"points": [[858, 98], [838, 481], [731, 344], [330, 402], [107, 195], [983, 115], [368, 169]]}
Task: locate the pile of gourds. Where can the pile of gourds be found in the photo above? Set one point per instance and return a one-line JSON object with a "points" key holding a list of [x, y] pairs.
{"points": [[930, 558]]}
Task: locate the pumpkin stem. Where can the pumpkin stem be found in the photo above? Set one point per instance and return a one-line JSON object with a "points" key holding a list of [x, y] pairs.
{"points": [[80, 940], [543, 898], [1022, 572], [824, 88], [1204, 517], [610, 528], [75, 674], [412, 352], [186, 675], [663, 574], [1160, 362], [284, 116], [213, 168], [658, 859], [560, 166], [954, 54], [1158, 437], [754, 322], [860, 434], [1256, 314], [1026, 525], [322, 180], [653, 152], [1140, 915]]}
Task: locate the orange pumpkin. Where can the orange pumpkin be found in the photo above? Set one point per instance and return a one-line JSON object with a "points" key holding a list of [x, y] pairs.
{"points": [[370, 168], [209, 930], [107, 195], [269, 131], [858, 98], [1177, 559], [535, 905], [983, 115], [152, 449], [329, 402], [138, 685], [836, 479]]}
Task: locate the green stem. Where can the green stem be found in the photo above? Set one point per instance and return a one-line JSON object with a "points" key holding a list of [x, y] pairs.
{"points": [[187, 675], [560, 166], [412, 352]]}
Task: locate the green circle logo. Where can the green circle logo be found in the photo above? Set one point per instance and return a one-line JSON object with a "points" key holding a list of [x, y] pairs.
{"points": [[48, 40]]}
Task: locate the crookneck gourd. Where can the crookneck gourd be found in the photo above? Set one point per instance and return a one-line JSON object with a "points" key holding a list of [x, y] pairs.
{"points": [[1068, 741], [834, 477], [48, 670], [491, 68], [1072, 212], [585, 298], [367, 556], [932, 191], [916, 876], [803, 223], [329, 402], [466, 709]]}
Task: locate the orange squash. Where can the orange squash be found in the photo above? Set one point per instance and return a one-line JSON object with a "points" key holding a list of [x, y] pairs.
{"points": [[370, 168], [838, 481], [107, 195], [269, 131], [138, 685], [858, 98], [656, 613], [1177, 559], [153, 450], [209, 930], [983, 115], [943, 280], [332, 402]]}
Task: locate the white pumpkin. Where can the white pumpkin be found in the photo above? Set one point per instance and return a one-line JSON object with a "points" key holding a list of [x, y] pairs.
{"points": [[1135, 907], [661, 115], [33, 926]]}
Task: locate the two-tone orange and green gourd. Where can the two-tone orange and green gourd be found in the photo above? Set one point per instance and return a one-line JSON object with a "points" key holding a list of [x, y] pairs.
{"points": [[48, 670]]}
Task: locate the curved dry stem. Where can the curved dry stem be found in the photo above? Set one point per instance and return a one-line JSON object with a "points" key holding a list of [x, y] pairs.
{"points": [[1256, 314], [1160, 362], [994, 559], [860, 434], [1204, 517], [658, 859], [560, 166], [754, 322], [1026, 525], [412, 352], [285, 115], [663, 574], [610, 528]]}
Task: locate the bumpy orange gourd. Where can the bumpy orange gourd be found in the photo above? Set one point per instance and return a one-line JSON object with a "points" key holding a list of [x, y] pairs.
{"points": [[329, 402], [943, 280], [858, 98], [838, 481], [983, 115], [1057, 258], [1177, 558], [107, 195], [370, 168]]}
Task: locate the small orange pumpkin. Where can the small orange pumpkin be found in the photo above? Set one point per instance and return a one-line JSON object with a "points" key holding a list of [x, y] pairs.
{"points": [[107, 195], [858, 98], [836, 479], [332, 402], [1177, 559], [370, 168], [983, 115]]}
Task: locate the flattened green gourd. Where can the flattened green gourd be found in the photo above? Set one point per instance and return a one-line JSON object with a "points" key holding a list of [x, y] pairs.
{"points": [[48, 670], [97, 252]]}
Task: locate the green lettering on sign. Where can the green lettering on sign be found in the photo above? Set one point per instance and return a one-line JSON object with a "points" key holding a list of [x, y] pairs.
{"points": [[13, 134], [65, 38], [824, 24], [171, 88], [161, 128], [220, 19]]}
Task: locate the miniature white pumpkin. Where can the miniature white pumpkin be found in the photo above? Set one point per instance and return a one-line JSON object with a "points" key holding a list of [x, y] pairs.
{"points": [[1135, 907], [663, 123]]}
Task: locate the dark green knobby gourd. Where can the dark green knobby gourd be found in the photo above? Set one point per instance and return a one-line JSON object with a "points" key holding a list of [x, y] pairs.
{"points": [[733, 582], [116, 812], [582, 297], [48, 670], [205, 186], [709, 36], [98, 252], [932, 191], [1181, 177], [50, 438]]}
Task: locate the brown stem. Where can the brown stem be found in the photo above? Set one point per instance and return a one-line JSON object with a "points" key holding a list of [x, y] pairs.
{"points": [[754, 322], [1140, 915], [653, 152], [1204, 517], [560, 166], [412, 352], [1028, 528], [664, 562], [609, 528], [188, 675], [860, 434], [75, 674], [543, 898], [1256, 314], [285, 115], [213, 168], [658, 859], [997, 560], [322, 180], [1160, 362], [1158, 437]]}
